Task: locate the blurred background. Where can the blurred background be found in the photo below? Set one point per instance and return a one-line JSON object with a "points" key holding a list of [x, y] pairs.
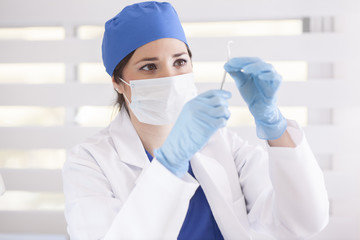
{"points": [[54, 92]]}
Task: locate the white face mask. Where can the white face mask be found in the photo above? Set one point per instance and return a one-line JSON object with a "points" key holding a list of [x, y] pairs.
{"points": [[158, 101]]}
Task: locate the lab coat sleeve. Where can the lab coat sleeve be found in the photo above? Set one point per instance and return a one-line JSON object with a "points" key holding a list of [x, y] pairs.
{"points": [[154, 209], [284, 189]]}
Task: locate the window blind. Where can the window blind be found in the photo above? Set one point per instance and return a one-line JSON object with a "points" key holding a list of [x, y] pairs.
{"points": [[54, 92]]}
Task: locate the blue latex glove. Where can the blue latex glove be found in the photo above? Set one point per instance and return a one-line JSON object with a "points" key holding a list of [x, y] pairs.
{"points": [[258, 83], [199, 119]]}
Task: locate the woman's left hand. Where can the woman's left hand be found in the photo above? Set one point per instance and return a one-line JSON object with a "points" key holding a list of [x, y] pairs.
{"points": [[258, 83]]}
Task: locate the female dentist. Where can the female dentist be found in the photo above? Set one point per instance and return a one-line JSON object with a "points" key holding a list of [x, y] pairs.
{"points": [[168, 168]]}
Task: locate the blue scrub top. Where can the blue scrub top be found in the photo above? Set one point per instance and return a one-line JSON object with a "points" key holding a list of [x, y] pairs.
{"points": [[199, 222]]}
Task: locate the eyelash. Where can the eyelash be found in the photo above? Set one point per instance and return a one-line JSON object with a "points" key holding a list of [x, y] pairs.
{"points": [[147, 66], [184, 61], [153, 66]]}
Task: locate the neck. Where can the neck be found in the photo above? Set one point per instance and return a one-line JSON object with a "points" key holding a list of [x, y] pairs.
{"points": [[152, 136]]}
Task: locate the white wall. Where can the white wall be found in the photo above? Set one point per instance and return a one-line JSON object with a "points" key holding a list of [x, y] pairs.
{"points": [[330, 95]]}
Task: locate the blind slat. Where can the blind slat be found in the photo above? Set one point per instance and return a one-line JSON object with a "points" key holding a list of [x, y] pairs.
{"points": [[50, 180], [73, 95], [35, 180], [68, 136], [302, 47], [53, 222], [99, 12], [36, 222]]}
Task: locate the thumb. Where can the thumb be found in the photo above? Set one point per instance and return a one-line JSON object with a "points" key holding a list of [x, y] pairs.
{"points": [[240, 78]]}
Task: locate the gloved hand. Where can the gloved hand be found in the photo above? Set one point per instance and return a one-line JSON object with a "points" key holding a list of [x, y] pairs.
{"points": [[258, 83], [199, 119]]}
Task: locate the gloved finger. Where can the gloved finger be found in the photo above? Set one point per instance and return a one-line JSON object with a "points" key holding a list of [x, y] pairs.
{"points": [[210, 118], [270, 76], [211, 93], [211, 124], [237, 64], [240, 78], [219, 123], [258, 68], [269, 83], [201, 102], [205, 111], [219, 112], [215, 101]]}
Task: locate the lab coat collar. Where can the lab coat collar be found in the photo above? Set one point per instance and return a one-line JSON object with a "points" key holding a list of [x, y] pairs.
{"points": [[124, 135]]}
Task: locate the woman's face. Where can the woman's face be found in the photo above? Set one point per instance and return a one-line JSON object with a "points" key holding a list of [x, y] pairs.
{"points": [[161, 58]]}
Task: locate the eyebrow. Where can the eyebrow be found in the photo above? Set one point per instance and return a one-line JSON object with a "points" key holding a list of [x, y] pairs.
{"points": [[179, 54], [149, 59]]}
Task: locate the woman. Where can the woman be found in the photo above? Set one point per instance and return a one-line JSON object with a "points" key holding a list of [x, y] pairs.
{"points": [[167, 167]]}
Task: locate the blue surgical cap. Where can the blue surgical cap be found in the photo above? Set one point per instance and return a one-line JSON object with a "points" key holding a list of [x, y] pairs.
{"points": [[135, 26]]}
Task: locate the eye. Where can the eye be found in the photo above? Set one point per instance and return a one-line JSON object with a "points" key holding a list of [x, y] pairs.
{"points": [[149, 67], [180, 62]]}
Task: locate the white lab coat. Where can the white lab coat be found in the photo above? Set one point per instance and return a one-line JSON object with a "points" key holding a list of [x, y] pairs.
{"points": [[112, 190]]}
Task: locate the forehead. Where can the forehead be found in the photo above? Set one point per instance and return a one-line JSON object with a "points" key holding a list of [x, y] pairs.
{"points": [[164, 46]]}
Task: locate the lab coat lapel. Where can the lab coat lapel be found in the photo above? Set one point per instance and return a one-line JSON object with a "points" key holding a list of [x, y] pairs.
{"points": [[124, 135], [213, 178]]}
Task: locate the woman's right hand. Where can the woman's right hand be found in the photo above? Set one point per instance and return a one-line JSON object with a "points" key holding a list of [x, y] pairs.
{"points": [[199, 119]]}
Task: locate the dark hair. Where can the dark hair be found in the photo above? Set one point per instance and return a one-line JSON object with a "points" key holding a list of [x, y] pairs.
{"points": [[117, 74]]}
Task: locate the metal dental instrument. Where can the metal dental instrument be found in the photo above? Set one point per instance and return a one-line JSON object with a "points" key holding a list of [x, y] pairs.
{"points": [[228, 58]]}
